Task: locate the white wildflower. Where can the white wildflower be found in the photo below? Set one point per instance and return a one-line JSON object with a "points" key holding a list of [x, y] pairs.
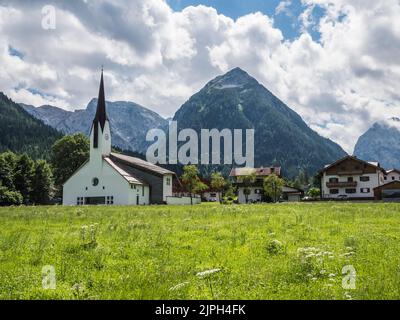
{"points": [[208, 272], [179, 286]]}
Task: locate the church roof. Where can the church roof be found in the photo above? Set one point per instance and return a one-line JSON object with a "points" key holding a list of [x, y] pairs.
{"points": [[140, 164], [101, 114], [124, 172]]}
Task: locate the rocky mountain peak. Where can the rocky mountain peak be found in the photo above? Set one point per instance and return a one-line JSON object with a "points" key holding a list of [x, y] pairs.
{"points": [[381, 143], [235, 78]]}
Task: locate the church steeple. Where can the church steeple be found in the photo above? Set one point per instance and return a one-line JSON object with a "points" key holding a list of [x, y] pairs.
{"points": [[101, 114]]}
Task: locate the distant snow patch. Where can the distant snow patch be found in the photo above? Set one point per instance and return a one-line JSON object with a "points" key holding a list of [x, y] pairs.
{"points": [[228, 86]]}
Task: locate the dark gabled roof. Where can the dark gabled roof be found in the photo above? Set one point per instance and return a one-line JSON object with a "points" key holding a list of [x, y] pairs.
{"points": [[293, 190], [388, 184], [124, 171], [393, 170], [140, 164], [372, 164], [124, 165]]}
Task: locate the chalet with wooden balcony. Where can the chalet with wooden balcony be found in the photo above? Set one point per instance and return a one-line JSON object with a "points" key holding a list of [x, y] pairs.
{"points": [[351, 178]]}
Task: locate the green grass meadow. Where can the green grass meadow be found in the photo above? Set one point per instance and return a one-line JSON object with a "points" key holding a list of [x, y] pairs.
{"points": [[284, 251]]}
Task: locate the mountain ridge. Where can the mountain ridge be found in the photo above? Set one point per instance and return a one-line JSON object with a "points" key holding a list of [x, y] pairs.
{"points": [[126, 135], [238, 101], [234, 100]]}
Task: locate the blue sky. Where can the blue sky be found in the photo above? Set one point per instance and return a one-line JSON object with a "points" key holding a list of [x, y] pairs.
{"points": [[287, 22]]}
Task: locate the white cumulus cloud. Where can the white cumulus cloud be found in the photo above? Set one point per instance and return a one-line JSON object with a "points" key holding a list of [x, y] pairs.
{"points": [[340, 84]]}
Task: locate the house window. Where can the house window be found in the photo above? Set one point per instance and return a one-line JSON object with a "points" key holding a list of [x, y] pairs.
{"points": [[334, 191], [393, 178], [350, 179], [168, 181], [80, 201], [364, 179], [385, 178], [333, 180], [142, 191], [351, 191], [110, 200], [365, 190]]}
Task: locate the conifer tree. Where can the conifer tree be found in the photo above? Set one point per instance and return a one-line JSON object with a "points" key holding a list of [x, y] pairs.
{"points": [[42, 183], [23, 176]]}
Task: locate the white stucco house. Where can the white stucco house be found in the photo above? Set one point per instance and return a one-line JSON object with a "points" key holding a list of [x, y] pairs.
{"points": [[351, 178], [392, 175], [256, 189], [113, 179]]}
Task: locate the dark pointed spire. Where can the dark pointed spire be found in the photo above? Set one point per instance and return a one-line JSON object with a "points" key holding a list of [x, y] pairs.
{"points": [[101, 114]]}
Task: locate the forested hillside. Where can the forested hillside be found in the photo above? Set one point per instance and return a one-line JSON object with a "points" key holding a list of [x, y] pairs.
{"points": [[20, 132]]}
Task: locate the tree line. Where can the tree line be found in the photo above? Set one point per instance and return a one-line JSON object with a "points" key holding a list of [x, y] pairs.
{"points": [[24, 180], [39, 182]]}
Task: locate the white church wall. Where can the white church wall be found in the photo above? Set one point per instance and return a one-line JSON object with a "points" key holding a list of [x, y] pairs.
{"points": [[111, 184], [104, 144]]}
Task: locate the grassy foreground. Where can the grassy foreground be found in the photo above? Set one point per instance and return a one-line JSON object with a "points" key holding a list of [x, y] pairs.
{"points": [[285, 251]]}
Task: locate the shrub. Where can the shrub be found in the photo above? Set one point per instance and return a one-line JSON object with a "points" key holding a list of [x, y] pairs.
{"points": [[314, 193], [275, 247], [10, 198]]}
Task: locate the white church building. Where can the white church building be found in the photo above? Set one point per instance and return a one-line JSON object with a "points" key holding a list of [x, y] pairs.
{"points": [[113, 179]]}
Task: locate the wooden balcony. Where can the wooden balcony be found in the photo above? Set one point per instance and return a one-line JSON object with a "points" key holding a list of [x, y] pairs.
{"points": [[341, 184]]}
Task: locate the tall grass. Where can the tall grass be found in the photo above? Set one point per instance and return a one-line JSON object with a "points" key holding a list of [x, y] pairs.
{"points": [[286, 251]]}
